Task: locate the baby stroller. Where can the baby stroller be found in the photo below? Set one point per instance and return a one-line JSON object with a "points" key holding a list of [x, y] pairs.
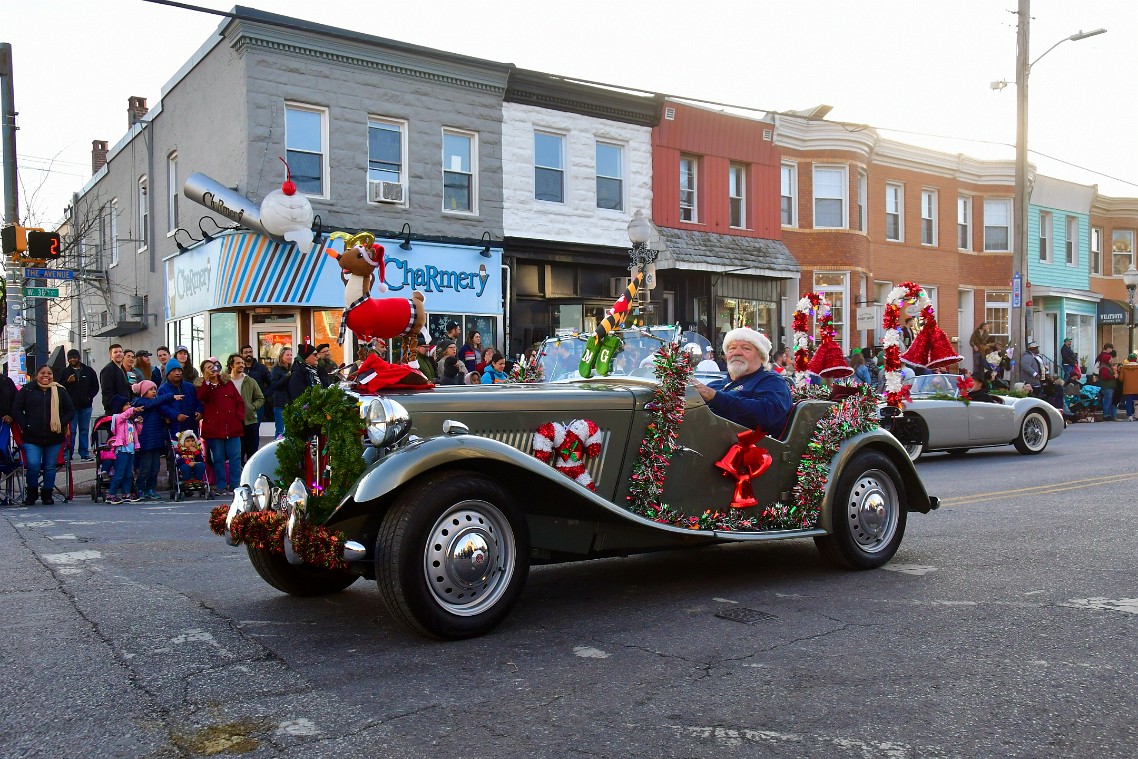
{"points": [[1083, 401], [104, 458], [187, 468]]}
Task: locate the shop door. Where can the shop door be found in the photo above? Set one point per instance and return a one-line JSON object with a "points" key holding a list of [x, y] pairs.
{"points": [[270, 338]]}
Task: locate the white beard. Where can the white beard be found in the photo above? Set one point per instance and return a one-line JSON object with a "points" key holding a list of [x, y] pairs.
{"points": [[737, 368]]}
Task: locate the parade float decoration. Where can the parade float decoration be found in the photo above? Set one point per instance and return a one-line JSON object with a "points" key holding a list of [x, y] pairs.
{"points": [[604, 344], [828, 362], [931, 348]]}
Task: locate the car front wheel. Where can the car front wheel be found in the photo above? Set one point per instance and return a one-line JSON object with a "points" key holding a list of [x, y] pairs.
{"points": [[1033, 434], [868, 514], [297, 580], [452, 555]]}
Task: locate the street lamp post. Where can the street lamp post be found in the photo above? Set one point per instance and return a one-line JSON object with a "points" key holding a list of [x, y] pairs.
{"points": [[1023, 71], [642, 257], [1130, 279]]}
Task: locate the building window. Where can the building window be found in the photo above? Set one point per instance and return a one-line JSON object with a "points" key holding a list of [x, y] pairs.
{"points": [[114, 232], [964, 222], [143, 215], [549, 167], [997, 225], [386, 157], [928, 217], [830, 197], [688, 189], [460, 169], [737, 195], [881, 292], [1096, 250], [1044, 236], [306, 133], [894, 212], [862, 196], [1072, 241], [610, 176], [790, 195], [1122, 247], [172, 191], [997, 312], [833, 284]]}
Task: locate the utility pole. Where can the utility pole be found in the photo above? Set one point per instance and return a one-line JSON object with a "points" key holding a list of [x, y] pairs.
{"points": [[1019, 247], [14, 281]]}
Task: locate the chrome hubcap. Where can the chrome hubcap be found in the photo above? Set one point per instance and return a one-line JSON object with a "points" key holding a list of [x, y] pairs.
{"points": [[872, 511], [469, 558], [1034, 432]]}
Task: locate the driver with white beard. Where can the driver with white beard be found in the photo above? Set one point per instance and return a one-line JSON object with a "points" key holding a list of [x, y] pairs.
{"points": [[754, 396]]}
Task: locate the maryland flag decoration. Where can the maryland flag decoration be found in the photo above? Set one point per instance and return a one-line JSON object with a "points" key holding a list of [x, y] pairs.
{"points": [[602, 346]]}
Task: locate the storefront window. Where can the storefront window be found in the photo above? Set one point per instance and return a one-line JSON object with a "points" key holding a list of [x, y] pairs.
{"points": [[567, 317], [833, 284], [197, 338], [326, 329], [737, 312], [997, 307], [222, 335], [1081, 329]]}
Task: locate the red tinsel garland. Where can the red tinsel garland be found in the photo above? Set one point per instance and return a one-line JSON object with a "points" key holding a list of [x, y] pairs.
{"points": [[265, 530]]}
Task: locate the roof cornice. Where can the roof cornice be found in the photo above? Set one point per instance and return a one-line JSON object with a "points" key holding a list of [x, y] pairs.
{"points": [[1108, 206], [557, 93]]}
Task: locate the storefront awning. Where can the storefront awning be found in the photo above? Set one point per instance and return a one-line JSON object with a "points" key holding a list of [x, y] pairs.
{"points": [[1112, 312], [706, 251]]}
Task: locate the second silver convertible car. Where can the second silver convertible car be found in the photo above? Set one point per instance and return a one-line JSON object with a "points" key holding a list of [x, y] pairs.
{"points": [[937, 419]]}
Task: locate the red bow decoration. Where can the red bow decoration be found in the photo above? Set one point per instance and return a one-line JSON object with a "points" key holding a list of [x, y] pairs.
{"points": [[964, 384], [744, 461]]}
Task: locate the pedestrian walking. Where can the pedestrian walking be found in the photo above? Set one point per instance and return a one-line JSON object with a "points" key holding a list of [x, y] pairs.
{"points": [[82, 385], [42, 410], [223, 424]]}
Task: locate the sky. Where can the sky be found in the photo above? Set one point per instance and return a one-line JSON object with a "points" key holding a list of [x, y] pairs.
{"points": [[917, 70]]}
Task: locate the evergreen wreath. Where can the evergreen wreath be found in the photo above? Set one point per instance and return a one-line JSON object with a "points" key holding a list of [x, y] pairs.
{"points": [[334, 416]]}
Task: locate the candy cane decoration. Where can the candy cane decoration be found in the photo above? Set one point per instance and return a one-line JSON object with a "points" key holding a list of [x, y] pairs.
{"points": [[568, 447], [891, 321]]}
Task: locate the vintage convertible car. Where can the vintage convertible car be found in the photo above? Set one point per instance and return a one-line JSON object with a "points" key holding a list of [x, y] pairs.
{"points": [[937, 419], [454, 505]]}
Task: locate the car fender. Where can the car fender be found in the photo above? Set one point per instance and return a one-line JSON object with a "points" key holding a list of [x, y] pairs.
{"points": [[916, 497], [1055, 422]]}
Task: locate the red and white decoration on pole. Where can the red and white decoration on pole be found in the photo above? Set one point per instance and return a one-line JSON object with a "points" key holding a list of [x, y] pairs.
{"points": [[931, 348], [828, 361], [568, 447]]}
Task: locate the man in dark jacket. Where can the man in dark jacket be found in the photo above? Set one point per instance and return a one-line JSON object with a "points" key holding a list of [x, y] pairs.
{"points": [[754, 396], [303, 372], [326, 368], [260, 373], [112, 379], [82, 385]]}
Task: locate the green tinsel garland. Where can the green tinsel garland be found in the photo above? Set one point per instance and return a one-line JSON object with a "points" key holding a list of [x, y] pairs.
{"points": [[335, 416]]}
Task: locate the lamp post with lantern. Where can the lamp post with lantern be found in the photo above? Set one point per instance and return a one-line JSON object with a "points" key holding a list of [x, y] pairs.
{"points": [[1130, 279], [643, 258]]}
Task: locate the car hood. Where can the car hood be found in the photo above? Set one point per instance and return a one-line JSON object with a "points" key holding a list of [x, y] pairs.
{"points": [[573, 399]]}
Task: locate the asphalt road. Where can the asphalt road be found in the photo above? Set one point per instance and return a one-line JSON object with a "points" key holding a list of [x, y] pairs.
{"points": [[1005, 626]]}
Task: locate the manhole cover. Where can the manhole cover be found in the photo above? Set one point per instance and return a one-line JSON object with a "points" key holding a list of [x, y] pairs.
{"points": [[746, 616]]}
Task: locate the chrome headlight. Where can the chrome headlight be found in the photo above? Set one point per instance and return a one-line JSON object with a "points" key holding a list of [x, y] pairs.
{"points": [[296, 500], [386, 421], [262, 493]]}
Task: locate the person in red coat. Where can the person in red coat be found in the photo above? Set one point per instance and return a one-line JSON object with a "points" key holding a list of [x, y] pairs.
{"points": [[223, 423]]}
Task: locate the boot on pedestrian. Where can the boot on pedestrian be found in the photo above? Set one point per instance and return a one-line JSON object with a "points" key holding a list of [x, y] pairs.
{"points": [[45, 497], [30, 497]]}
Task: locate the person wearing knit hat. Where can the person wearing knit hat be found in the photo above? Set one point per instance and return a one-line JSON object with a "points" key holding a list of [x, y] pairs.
{"points": [[43, 410], [152, 438], [753, 395]]}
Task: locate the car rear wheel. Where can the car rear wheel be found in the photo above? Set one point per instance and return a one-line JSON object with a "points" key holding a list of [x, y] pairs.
{"points": [[297, 580], [868, 514], [1033, 434], [452, 555]]}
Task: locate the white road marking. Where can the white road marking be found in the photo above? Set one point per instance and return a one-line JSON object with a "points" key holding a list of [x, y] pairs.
{"points": [[909, 569], [45, 523], [75, 557], [1128, 605], [732, 737], [301, 726], [66, 536], [724, 600], [199, 636], [1034, 592], [588, 652]]}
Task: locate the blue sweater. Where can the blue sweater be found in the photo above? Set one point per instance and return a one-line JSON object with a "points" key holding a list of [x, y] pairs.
{"points": [[758, 401], [154, 436]]}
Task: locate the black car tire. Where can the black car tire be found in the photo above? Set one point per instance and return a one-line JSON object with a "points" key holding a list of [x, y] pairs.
{"points": [[425, 584], [1033, 434], [868, 514], [297, 580]]}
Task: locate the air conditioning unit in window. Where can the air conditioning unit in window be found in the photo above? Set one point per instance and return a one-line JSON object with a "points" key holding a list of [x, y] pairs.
{"points": [[385, 192], [617, 286]]}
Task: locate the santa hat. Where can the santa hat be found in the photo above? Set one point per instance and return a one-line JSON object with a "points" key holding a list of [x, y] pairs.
{"points": [[941, 352], [829, 362], [754, 337], [376, 258]]}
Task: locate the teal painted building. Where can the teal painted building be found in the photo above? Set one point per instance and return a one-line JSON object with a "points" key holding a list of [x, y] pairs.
{"points": [[1058, 267]]}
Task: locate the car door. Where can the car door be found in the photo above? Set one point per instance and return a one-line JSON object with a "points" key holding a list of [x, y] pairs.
{"points": [[990, 422]]}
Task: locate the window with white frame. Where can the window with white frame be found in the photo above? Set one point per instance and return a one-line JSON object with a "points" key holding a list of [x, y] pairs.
{"points": [[928, 217], [964, 222], [114, 231], [830, 189], [1096, 250], [862, 198], [997, 312], [1072, 240], [789, 195], [737, 195], [1045, 233], [387, 155], [1122, 251], [610, 176], [835, 286], [172, 191], [894, 212], [460, 171], [689, 195], [143, 214], [549, 167], [997, 225], [306, 140]]}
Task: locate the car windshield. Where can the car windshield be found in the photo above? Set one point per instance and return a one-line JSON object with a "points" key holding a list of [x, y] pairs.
{"points": [[560, 356], [934, 384]]}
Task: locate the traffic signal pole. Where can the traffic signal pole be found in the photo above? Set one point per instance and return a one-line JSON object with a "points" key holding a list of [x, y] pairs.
{"points": [[13, 277]]}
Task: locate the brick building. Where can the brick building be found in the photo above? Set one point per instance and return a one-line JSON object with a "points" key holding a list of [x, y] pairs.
{"points": [[1114, 222]]}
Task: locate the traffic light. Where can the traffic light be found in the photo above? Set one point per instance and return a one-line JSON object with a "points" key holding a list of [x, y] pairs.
{"points": [[15, 239], [44, 246]]}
